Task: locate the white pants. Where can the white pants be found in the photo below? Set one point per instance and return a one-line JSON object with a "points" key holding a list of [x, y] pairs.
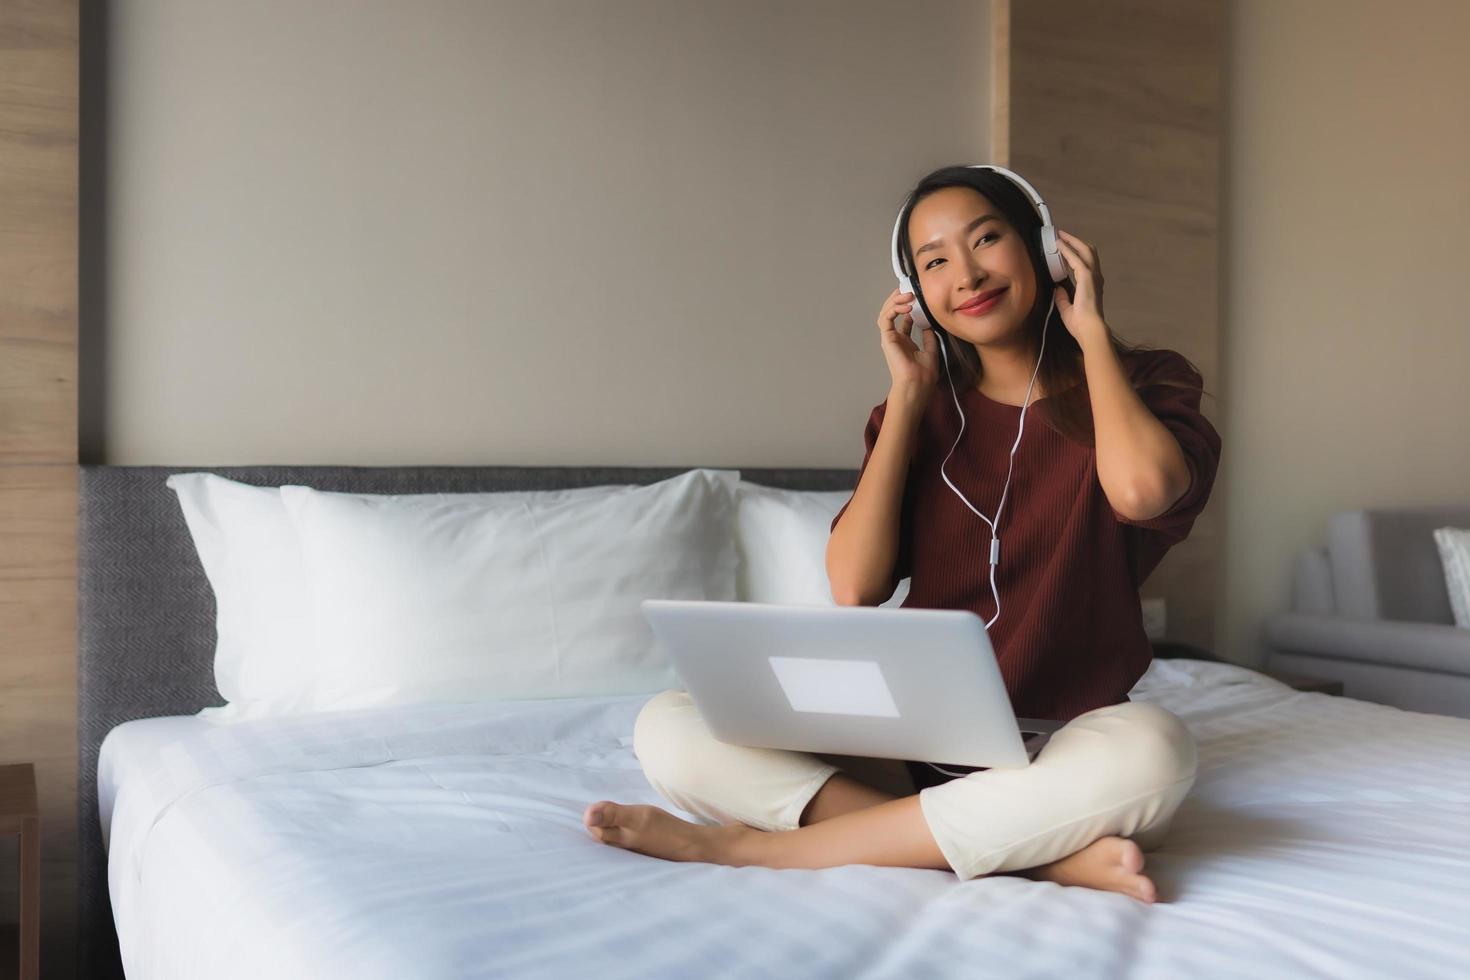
{"points": [[1120, 770]]}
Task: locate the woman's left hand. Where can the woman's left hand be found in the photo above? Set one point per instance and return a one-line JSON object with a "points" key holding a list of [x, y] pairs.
{"points": [[1082, 313]]}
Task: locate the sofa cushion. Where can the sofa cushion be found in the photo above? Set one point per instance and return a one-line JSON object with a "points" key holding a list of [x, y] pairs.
{"points": [[1385, 564]]}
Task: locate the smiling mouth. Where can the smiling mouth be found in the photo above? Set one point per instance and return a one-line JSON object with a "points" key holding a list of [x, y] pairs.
{"points": [[975, 309]]}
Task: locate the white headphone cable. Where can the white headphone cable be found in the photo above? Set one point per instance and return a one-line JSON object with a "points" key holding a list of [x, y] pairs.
{"points": [[994, 524], [994, 539]]}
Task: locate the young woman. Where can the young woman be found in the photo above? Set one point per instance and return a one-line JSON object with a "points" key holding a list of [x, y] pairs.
{"points": [[1113, 469]]}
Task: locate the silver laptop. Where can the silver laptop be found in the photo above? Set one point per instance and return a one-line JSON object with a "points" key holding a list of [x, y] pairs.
{"points": [[917, 684]]}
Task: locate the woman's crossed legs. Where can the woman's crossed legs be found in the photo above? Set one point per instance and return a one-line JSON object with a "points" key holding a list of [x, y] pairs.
{"points": [[1109, 775]]}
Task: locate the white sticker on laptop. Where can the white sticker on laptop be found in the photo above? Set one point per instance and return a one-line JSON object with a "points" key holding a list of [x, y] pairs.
{"points": [[834, 687]]}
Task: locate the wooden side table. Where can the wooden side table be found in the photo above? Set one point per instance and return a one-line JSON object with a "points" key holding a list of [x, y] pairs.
{"points": [[20, 816]]}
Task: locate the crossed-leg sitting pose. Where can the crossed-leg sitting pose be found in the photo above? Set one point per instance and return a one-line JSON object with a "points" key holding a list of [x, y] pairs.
{"points": [[1119, 467], [1115, 773]]}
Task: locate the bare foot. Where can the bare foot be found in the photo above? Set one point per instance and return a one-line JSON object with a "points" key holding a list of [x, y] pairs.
{"points": [[1112, 864], [657, 832]]}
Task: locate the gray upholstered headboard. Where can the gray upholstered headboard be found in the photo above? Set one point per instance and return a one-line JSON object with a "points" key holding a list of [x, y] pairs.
{"points": [[146, 612]]}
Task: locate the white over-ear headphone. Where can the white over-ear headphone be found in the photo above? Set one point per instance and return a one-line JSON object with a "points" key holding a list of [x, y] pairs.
{"points": [[1054, 262], [1058, 270]]}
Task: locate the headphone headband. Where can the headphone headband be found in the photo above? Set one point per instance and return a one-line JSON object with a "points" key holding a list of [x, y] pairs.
{"points": [[1048, 232]]}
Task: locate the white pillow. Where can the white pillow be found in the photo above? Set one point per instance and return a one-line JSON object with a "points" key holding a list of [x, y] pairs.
{"points": [[453, 599], [252, 557], [1454, 554], [781, 541]]}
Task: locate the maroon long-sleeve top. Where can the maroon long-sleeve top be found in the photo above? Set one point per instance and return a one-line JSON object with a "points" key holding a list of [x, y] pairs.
{"points": [[1070, 635]]}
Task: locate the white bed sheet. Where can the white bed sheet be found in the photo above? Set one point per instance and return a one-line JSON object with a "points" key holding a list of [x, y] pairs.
{"points": [[1323, 837], [132, 747]]}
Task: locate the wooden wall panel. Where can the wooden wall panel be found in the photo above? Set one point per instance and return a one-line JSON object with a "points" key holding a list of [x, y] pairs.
{"points": [[38, 436], [1114, 112]]}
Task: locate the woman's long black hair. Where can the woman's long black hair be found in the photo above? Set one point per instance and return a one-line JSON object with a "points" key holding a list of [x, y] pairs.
{"points": [[1067, 406]]}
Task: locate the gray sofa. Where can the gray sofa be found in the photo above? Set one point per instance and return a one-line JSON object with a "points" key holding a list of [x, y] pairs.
{"points": [[1370, 609]]}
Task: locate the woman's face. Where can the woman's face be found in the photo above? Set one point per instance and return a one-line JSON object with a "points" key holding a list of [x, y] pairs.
{"points": [[963, 248]]}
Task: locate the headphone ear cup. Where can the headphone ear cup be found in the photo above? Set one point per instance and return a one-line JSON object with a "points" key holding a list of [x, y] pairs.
{"points": [[916, 311], [921, 319], [1055, 264]]}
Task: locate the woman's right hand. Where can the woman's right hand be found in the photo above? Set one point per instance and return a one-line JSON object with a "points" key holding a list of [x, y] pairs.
{"points": [[913, 369]]}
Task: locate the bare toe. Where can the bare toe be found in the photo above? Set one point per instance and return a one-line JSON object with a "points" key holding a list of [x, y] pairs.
{"points": [[654, 831], [594, 815], [1130, 855], [1108, 864], [1128, 871]]}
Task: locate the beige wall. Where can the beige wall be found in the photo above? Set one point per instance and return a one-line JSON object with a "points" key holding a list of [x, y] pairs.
{"points": [[646, 232], [1346, 337]]}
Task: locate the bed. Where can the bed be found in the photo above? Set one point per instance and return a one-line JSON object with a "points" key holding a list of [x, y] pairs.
{"points": [[1324, 836]]}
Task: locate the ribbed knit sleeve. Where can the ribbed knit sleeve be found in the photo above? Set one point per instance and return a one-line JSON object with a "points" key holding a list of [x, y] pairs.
{"points": [[903, 563], [1171, 392]]}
